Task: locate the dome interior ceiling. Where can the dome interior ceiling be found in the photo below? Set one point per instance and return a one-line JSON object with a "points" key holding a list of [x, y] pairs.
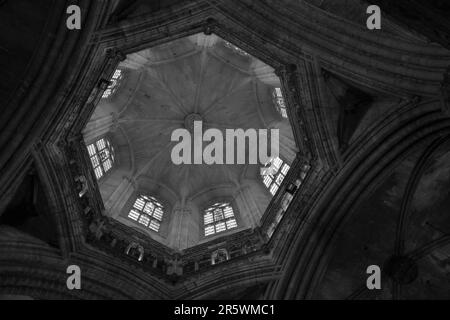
{"points": [[198, 75]]}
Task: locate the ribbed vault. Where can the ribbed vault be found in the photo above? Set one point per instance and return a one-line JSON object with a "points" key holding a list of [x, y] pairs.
{"points": [[168, 87]]}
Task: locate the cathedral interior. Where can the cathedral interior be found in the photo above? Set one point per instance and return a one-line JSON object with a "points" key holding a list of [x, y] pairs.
{"points": [[87, 177]]}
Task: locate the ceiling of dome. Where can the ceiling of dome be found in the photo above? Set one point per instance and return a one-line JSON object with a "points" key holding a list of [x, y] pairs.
{"points": [[195, 78]]}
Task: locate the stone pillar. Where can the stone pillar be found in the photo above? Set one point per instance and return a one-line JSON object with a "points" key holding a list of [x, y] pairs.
{"points": [[304, 83]]}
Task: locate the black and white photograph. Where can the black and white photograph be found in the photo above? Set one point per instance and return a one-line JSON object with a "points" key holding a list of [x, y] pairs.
{"points": [[221, 157]]}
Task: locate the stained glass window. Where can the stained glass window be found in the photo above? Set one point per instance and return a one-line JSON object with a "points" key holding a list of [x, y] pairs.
{"points": [[147, 211], [279, 102], [102, 157], [218, 218], [274, 176], [115, 82]]}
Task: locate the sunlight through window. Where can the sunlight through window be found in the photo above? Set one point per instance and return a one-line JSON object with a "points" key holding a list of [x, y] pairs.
{"points": [[148, 212], [275, 175], [115, 83], [101, 154], [218, 218]]}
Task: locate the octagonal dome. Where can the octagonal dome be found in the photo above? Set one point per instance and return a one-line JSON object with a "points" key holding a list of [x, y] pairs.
{"points": [[168, 87]]}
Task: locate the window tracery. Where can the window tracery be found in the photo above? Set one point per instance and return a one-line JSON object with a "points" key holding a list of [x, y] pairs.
{"points": [[114, 84], [218, 218], [275, 174], [147, 211], [102, 156]]}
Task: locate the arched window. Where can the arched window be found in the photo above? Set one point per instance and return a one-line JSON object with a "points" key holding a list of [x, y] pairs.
{"points": [[218, 218], [147, 211], [102, 157], [275, 174], [236, 49], [278, 100], [115, 82]]}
